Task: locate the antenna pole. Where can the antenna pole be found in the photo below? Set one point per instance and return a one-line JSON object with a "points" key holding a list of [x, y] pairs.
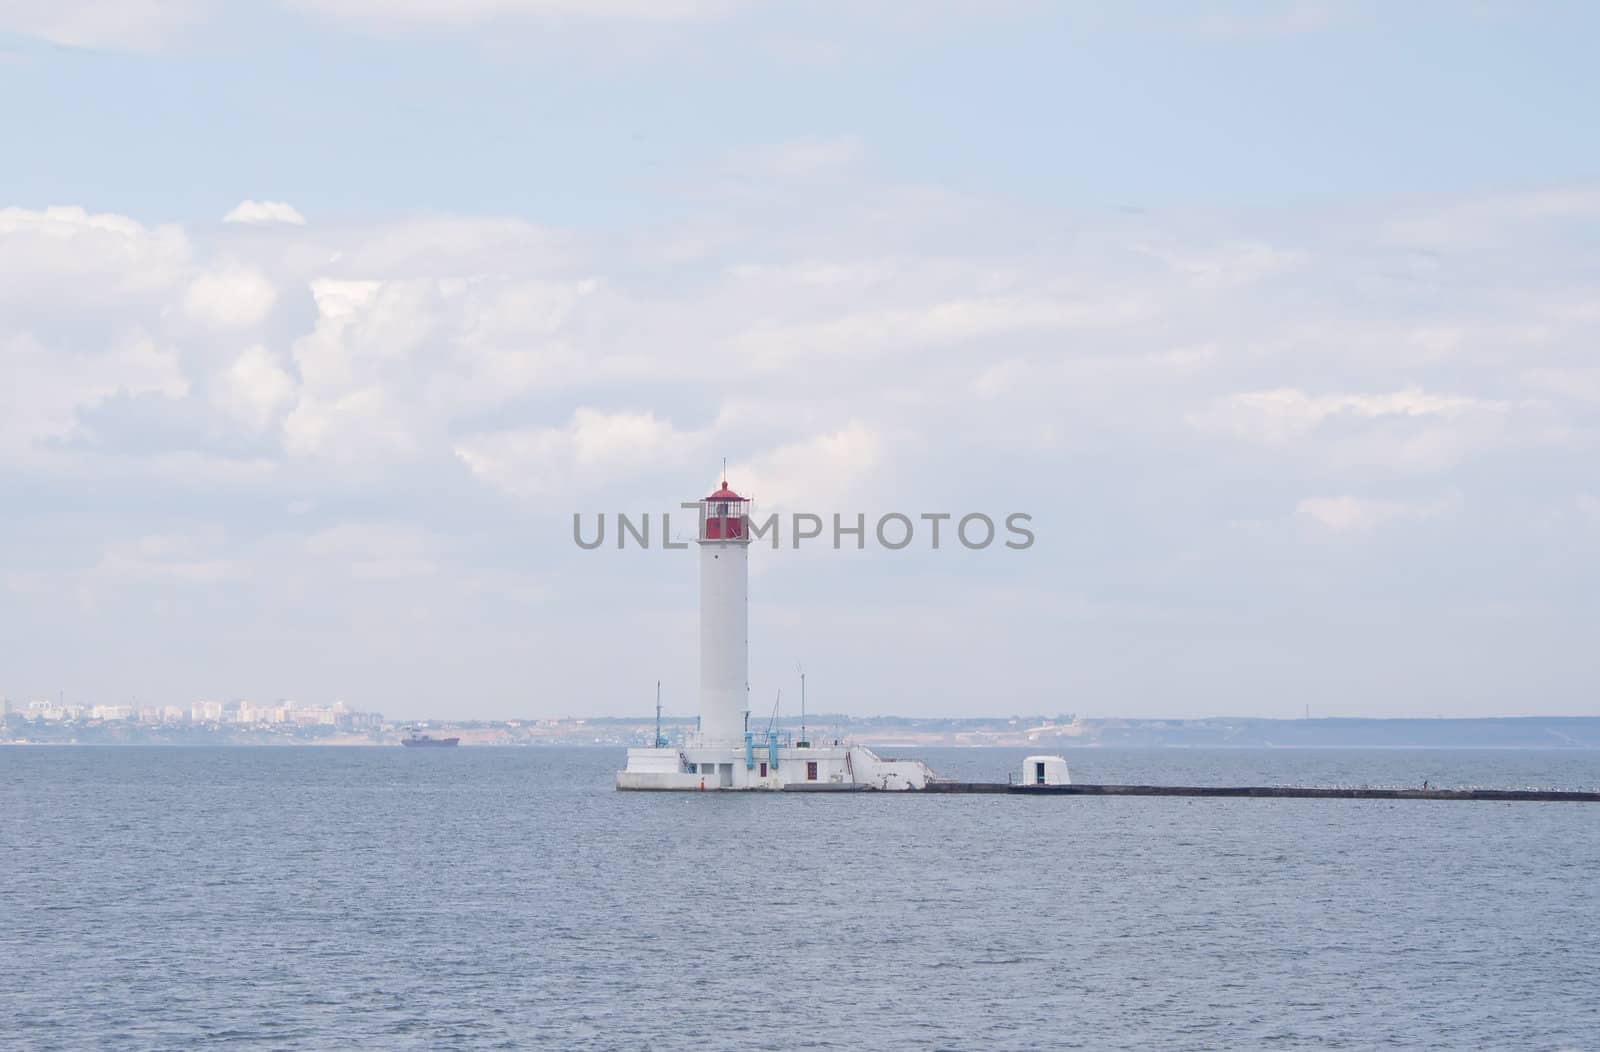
{"points": [[660, 742]]}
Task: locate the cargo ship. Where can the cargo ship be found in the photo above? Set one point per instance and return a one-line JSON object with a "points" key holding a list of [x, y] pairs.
{"points": [[417, 739]]}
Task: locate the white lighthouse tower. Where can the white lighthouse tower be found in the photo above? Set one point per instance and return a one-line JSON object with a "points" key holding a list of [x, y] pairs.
{"points": [[726, 752], [724, 544]]}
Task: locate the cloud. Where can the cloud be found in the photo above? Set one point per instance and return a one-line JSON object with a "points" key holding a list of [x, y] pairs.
{"points": [[168, 568], [231, 297], [1582, 384], [118, 25], [439, 337], [459, 13], [933, 325], [150, 25], [1143, 383], [1226, 266], [429, 338], [814, 473], [1411, 430], [261, 212], [184, 559], [377, 551], [1282, 415], [64, 257], [1476, 221], [390, 364], [594, 448], [796, 159], [1356, 515], [1400, 432], [43, 390], [254, 390]]}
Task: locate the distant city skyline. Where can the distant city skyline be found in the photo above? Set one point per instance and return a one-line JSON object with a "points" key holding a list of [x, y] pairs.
{"points": [[214, 723], [321, 319]]}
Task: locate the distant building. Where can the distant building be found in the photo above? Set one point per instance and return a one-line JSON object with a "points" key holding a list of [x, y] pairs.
{"points": [[314, 717], [53, 712]]}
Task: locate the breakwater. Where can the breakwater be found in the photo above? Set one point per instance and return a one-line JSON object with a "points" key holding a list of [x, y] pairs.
{"points": [[1269, 792]]}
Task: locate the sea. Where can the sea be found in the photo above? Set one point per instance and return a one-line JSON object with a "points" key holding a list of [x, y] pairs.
{"points": [[507, 898]]}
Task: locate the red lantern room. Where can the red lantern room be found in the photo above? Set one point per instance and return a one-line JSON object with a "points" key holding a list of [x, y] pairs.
{"points": [[724, 515]]}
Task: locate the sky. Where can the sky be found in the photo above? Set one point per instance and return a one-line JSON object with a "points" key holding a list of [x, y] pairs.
{"points": [[321, 319]]}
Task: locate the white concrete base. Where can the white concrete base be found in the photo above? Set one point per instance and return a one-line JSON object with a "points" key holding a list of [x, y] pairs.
{"points": [[837, 767]]}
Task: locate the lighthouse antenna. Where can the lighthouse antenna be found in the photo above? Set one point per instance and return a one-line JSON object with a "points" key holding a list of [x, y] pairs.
{"points": [[804, 742]]}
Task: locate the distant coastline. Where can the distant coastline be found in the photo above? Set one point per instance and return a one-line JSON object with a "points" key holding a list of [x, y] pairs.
{"points": [[1057, 732]]}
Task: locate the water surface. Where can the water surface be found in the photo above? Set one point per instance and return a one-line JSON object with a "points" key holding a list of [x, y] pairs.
{"points": [[500, 898]]}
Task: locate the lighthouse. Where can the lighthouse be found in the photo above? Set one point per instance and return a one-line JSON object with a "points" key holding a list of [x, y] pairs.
{"points": [[724, 544], [726, 752]]}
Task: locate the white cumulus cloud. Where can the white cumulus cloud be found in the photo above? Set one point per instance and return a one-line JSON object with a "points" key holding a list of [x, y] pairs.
{"points": [[230, 297], [254, 390], [817, 471], [44, 390], [95, 263], [259, 212], [593, 448]]}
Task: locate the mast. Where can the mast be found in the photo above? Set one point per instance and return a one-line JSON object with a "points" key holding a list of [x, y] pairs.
{"points": [[661, 743], [803, 743]]}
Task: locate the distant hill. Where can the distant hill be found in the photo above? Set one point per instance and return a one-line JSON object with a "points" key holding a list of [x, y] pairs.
{"points": [[1523, 732], [1518, 732], [1056, 732]]}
